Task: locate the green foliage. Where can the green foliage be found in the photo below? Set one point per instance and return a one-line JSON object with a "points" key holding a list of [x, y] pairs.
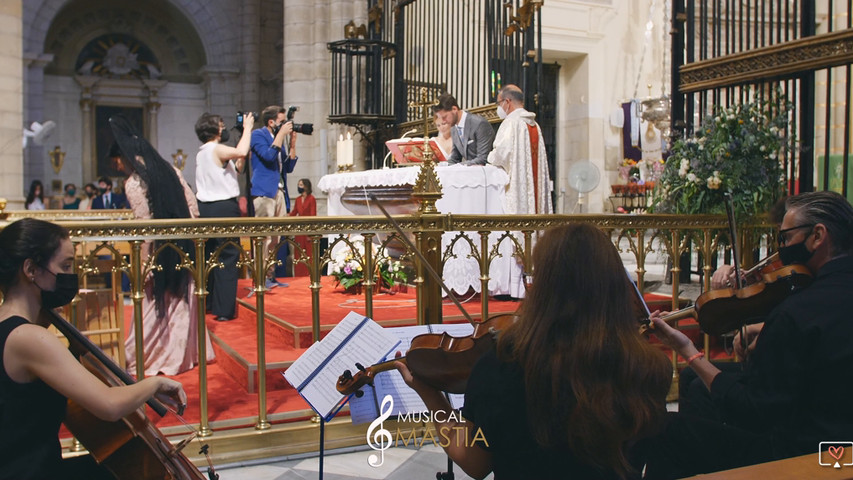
{"points": [[738, 150]]}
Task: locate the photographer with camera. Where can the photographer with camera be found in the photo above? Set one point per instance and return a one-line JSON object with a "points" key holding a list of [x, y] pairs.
{"points": [[271, 162], [217, 168]]}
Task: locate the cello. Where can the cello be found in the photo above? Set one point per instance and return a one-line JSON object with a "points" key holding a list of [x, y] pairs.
{"points": [[131, 447]]}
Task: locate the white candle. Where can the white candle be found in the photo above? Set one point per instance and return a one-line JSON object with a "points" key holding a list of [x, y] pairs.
{"points": [[340, 152], [349, 149]]}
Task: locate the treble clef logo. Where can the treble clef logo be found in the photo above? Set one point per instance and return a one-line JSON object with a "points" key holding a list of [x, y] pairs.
{"points": [[381, 440]]}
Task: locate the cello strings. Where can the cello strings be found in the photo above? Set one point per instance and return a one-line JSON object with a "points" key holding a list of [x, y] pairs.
{"points": [[204, 448]]}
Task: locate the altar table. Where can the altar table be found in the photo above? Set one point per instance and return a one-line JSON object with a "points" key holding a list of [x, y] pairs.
{"points": [[465, 190]]}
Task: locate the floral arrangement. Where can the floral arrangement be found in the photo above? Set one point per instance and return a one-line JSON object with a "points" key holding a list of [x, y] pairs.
{"points": [[631, 171], [347, 266], [738, 150]]}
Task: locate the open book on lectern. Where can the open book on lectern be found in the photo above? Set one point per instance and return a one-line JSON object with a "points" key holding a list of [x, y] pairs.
{"points": [[357, 339], [367, 408]]}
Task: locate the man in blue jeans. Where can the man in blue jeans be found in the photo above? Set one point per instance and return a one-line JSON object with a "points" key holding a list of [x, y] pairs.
{"points": [[271, 162]]}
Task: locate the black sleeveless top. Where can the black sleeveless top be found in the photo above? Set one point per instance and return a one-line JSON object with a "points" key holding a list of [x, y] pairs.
{"points": [[30, 416]]}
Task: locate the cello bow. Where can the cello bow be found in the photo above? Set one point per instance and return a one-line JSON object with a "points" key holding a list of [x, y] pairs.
{"points": [[131, 447]]}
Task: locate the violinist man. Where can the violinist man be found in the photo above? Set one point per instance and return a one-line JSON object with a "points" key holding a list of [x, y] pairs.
{"points": [[794, 391]]}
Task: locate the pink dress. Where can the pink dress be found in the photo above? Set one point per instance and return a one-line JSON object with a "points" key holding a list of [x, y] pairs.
{"points": [[170, 343]]}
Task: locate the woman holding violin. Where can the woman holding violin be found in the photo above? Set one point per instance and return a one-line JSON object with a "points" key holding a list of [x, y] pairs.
{"points": [[571, 385], [38, 372], [794, 391]]}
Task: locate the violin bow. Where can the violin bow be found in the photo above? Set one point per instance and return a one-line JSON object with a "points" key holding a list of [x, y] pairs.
{"points": [[730, 213], [421, 257]]}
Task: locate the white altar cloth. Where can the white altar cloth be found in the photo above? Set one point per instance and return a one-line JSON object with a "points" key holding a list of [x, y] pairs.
{"points": [[465, 190]]}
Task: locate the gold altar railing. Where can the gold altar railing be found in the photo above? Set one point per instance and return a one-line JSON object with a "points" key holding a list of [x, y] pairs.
{"points": [[702, 237]]}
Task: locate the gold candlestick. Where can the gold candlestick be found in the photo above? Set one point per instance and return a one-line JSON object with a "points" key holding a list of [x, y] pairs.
{"points": [[427, 187]]}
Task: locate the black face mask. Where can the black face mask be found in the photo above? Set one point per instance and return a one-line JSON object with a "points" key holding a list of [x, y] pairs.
{"points": [[67, 286], [224, 136], [102, 190], [300, 189], [796, 253]]}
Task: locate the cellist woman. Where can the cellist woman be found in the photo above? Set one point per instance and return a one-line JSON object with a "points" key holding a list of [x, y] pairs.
{"points": [[571, 385], [38, 372]]}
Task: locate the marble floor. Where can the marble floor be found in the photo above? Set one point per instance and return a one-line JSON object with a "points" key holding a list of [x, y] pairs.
{"points": [[400, 463]]}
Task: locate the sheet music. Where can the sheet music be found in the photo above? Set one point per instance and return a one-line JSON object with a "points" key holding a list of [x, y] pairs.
{"points": [[356, 339], [366, 408]]}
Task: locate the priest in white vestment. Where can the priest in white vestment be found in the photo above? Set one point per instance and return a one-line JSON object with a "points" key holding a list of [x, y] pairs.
{"points": [[520, 150]]}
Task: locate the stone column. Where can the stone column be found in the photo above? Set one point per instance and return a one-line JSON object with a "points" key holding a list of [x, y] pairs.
{"points": [[250, 37], [87, 130], [220, 83], [36, 165], [152, 107], [11, 103]]}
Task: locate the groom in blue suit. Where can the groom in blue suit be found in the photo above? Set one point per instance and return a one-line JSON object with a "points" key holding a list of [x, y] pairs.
{"points": [[472, 134]]}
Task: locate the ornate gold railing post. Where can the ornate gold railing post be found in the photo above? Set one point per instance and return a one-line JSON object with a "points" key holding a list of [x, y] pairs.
{"points": [[641, 259], [370, 271], [259, 275], [427, 191], [136, 297], [485, 263], [315, 270], [201, 271]]}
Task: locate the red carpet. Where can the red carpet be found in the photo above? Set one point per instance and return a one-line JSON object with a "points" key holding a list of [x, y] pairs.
{"points": [[232, 377]]}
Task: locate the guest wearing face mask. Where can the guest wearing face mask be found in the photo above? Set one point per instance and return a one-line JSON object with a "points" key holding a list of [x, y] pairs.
{"points": [[786, 398], [306, 206], [39, 374], [273, 157], [107, 199], [520, 150], [91, 190], [70, 201]]}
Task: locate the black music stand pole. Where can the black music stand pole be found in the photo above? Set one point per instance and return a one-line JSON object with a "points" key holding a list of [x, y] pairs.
{"points": [[448, 475], [322, 444]]}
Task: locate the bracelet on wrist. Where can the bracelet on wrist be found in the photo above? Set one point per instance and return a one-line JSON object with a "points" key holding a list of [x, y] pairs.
{"points": [[694, 357]]}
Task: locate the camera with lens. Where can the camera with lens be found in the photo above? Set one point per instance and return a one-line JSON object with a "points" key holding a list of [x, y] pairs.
{"points": [[303, 128], [240, 115]]}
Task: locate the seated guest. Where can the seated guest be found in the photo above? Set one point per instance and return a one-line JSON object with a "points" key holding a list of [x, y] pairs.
{"points": [[38, 374], [571, 385], [35, 197], [70, 201], [91, 191], [107, 199], [472, 134], [786, 399]]}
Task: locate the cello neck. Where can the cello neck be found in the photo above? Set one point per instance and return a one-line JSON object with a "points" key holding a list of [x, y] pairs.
{"points": [[78, 339]]}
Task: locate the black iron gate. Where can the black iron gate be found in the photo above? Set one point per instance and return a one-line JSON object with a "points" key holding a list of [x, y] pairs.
{"points": [[724, 50]]}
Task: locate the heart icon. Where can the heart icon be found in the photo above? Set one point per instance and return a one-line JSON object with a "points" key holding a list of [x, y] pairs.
{"points": [[836, 452]]}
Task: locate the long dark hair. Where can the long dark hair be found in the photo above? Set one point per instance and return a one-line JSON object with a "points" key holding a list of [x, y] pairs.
{"points": [[307, 184], [592, 382], [31, 195], [165, 200], [27, 238]]}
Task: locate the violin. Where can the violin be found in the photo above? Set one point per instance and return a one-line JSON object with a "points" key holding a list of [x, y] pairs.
{"points": [[440, 360], [131, 447], [724, 310]]}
